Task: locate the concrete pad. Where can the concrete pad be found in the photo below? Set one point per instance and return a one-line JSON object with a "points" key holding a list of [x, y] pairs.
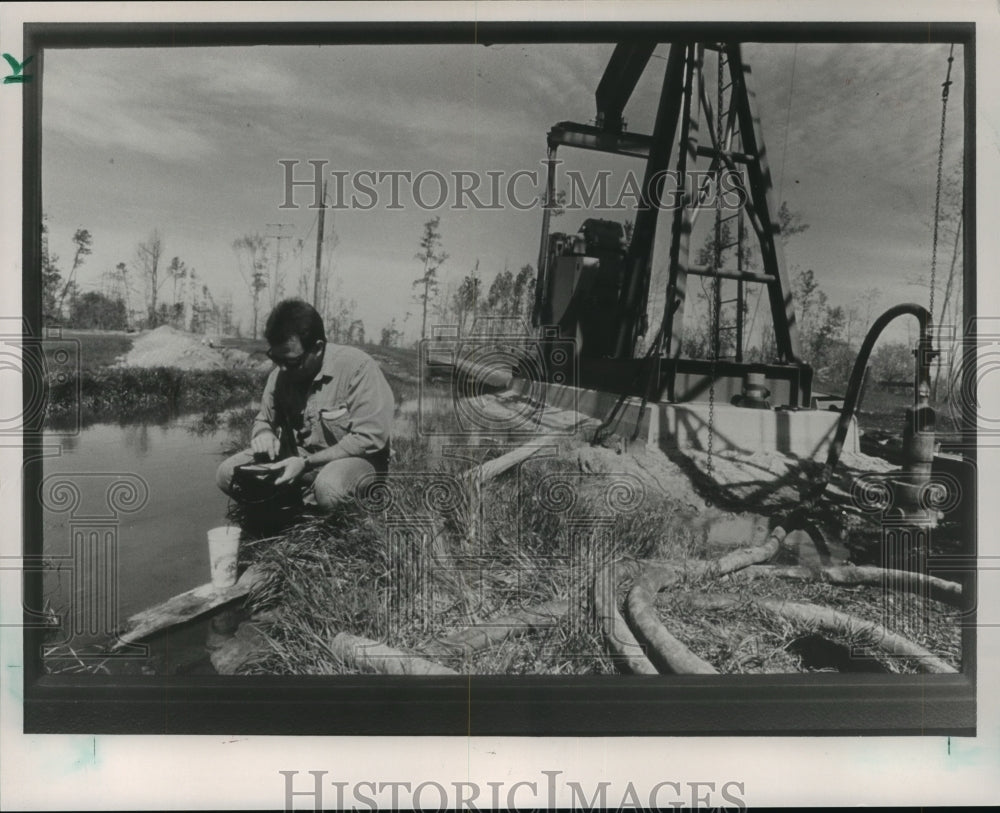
{"points": [[804, 434]]}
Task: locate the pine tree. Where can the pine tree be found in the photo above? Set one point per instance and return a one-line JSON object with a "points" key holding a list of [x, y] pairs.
{"points": [[432, 257]]}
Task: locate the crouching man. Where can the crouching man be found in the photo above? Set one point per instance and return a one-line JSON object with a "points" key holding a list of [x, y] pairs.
{"points": [[325, 415]]}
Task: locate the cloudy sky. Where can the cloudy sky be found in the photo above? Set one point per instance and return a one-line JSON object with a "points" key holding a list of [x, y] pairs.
{"points": [[187, 141]]}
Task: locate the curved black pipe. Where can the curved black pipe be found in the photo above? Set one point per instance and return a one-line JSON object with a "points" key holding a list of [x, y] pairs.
{"points": [[921, 382]]}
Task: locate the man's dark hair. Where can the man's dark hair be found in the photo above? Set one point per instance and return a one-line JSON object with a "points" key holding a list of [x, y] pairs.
{"points": [[294, 317]]}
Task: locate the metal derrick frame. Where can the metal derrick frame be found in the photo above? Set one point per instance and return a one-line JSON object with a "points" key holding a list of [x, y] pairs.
{"points": [[682, 99]]}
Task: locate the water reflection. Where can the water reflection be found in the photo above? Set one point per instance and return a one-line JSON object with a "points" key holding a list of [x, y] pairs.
{"points": [[161, 549], [136, 437]]}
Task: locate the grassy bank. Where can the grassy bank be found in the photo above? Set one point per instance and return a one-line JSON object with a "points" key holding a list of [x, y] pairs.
{"points": [[401, 572], [96, 349], [428, 555], [425, 553], [132, 394], [90, 388]]}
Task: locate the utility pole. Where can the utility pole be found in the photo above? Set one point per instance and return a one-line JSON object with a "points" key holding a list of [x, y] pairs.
{"points": [[277, 256], [319, 250]]}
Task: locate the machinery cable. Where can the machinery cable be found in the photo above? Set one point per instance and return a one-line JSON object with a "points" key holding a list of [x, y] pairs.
{"points": [[940, 163]]}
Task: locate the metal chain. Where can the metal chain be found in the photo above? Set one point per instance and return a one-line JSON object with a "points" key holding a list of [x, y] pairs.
{"points": [[940, 164]]}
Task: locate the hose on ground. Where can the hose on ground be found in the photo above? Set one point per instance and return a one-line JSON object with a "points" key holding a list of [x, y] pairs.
{"points": [[368, 655], [947, 592], [665, 651], [832, 621], [628, 654]]}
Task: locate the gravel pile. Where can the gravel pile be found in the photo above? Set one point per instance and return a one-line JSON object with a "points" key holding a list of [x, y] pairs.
{"points": [[168, 347]]}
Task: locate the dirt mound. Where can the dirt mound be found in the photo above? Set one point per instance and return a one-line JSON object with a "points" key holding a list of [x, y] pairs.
{"points": [[168, 347]]}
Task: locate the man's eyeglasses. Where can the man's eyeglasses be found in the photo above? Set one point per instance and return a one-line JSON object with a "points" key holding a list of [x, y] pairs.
{"points": [[286, 363]]}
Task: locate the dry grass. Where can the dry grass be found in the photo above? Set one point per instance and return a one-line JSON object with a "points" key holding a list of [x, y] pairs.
{"points": [[415, 571], [408, 575], [749, 639]]}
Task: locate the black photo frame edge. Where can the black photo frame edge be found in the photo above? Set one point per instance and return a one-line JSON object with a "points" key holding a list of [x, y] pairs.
{"points": [[637, 706]]}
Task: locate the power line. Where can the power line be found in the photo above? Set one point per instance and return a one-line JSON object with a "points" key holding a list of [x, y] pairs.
{"points": [[788, 119]]}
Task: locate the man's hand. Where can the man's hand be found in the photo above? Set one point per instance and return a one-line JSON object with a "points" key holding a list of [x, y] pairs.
{"points": [[266, 443], [291, 469]]}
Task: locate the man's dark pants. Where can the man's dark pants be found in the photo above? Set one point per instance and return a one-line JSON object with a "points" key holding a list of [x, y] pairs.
{"points": [[327, 487]]}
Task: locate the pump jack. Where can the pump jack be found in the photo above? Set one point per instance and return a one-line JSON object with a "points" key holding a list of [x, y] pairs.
{"points": [[599, 296], [594, 286]]}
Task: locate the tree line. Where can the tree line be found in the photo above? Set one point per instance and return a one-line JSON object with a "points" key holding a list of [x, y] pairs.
{"points": [[830, 335], [270, 275], [467, 302], [151, 290], [131, 295]]}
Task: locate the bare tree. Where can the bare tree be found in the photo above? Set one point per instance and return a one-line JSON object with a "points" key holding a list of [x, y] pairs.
{"points": [[444, 304], [115, 286], [861, 313], [356, 333], [338, 313], [466, 299], [391, 335], [177, 271], [306, 283], [148, 256], [225, 325], [251, 256], [83, 242], [122, 279], [951, 310], [191, 297], [206, 313]]}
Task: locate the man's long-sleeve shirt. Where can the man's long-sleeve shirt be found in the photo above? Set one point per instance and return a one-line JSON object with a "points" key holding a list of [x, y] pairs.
{"points": [[348, 405]]}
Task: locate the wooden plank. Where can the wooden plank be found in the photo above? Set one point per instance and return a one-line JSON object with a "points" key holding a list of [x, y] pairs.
{"points": [[183, 608], [515, 406], [492, 468]]}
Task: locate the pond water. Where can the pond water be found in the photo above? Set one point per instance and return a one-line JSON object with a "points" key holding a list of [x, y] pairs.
{"points": [[147, 491], [157, 523]]}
